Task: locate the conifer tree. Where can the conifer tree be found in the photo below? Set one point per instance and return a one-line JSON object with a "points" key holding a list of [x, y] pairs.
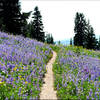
{"points": [[37, 25], [99, 43], [29, 29], [10, 16], [79, 29], [49, 39], [91, 41], [52, 39], [70, 41], [25, 27]]}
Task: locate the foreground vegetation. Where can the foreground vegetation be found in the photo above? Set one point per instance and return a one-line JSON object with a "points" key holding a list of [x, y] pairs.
{"points": [[22, 66], [77, 73]]}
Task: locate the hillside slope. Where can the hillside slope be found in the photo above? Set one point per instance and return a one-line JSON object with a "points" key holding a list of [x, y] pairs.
{"points": [[22, 66], [77, 73]]}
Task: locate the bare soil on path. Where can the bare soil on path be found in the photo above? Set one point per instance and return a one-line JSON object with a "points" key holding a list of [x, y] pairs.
{"points": [[47, 91]]}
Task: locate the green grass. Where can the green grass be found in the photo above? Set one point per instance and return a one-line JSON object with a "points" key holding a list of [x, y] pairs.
{"points": [[68, 92]]}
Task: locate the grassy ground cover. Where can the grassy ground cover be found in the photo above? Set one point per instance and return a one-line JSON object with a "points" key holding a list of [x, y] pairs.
{"points": [[22, 66], [77, 73]]}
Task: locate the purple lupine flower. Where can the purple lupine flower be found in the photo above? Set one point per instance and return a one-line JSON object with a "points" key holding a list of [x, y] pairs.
{"points": [[19, 91], [87, 97]]}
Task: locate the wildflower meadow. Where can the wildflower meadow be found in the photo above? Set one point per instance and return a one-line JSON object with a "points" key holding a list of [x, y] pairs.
{"points": [[22, 66], [77, 74]]}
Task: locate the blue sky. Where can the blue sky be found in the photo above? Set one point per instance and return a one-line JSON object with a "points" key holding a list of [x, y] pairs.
{"points": [[58, 16]]}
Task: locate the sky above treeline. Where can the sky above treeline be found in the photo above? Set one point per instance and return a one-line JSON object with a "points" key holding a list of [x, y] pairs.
{"points": [[58, 15]]}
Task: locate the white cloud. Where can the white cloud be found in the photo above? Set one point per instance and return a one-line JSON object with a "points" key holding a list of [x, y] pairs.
{"points": [[58, 16]]}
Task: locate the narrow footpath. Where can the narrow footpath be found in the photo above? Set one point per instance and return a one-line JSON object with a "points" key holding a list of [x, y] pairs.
{"points": [[47, 91]]}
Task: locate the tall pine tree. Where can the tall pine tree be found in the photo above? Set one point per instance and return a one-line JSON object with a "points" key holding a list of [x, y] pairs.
{"points": [[24, 24], [79, 29], [99, 43], [37, 25], [84, 33], [10, 16], [70, 41], [49, 39], [91, 41]]}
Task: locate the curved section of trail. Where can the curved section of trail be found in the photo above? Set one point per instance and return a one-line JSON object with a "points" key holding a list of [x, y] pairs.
{"points": [[47, 91]]}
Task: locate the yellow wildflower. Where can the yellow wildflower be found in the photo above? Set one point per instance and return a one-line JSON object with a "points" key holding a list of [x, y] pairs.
{"points": [[26, 82], [14, 79], [75, 62], [15, 68], [20, 76], [1, 82], [21, 67]]}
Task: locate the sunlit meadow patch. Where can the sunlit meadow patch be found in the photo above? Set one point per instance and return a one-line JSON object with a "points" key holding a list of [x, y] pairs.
{"points": [[22, 66], [77, 74]]}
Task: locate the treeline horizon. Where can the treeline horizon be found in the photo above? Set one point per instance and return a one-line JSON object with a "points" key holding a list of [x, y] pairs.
{"points": [[84, 33], [14, 22]]}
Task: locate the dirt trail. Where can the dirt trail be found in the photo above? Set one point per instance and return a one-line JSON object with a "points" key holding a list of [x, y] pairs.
{"points": [[47, 91]]}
